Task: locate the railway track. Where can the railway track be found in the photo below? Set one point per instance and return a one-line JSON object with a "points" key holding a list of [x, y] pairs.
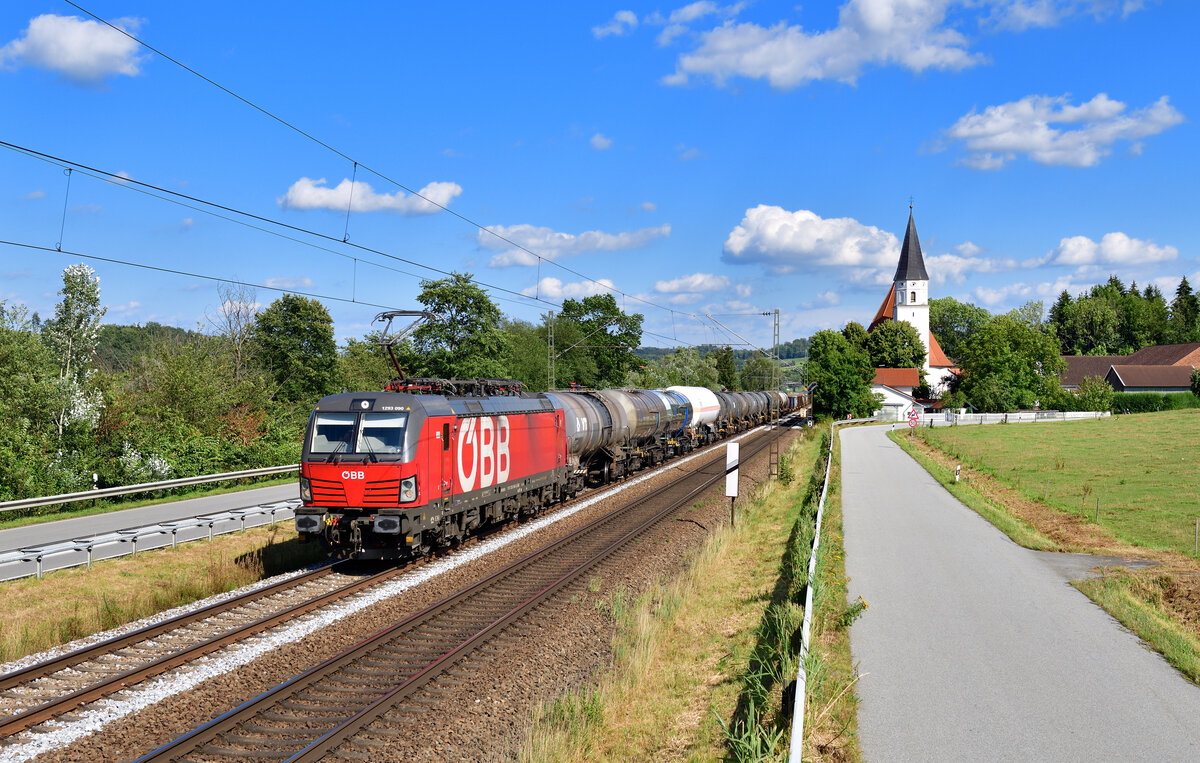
{"points": [[59, 685], [335, 709]]}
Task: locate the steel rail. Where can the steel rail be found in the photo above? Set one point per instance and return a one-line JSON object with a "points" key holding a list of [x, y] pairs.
{"points": [[356, 715], [40, 713], [144, 487]]}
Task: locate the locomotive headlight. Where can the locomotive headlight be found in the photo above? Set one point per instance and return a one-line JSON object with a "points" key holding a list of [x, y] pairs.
{"points": [[305, 490], [408, 489]]}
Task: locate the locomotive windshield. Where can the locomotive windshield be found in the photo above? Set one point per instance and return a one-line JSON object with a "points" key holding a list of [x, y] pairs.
{"points": [[369, 433], [381, 433]]}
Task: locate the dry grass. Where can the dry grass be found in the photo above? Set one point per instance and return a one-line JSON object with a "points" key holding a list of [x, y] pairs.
{"points": [[682, 650], [68, 604]]}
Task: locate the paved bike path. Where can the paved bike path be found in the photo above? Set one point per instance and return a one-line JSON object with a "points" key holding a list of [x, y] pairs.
{"points": [[977, 649]]}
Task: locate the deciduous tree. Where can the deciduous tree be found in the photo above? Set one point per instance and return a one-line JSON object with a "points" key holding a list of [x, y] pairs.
{"points": [[611, 336], [294, 341], [464, 340], [952, 322], [1008, 364], [842, 373], [895, 344]]}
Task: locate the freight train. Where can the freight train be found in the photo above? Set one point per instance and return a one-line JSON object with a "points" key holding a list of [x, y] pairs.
{"points": [[421, 465]]}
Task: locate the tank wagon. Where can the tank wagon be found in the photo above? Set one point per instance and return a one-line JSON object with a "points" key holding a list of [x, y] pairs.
{"points": [[422, 464]]}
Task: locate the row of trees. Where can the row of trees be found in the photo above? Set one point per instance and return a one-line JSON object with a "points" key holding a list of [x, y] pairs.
{"points": [[1112, 319], [142, 403], [1007, 361]]}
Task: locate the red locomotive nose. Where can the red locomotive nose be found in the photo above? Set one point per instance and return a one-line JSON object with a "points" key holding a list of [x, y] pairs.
{"points": [[357, 485]]}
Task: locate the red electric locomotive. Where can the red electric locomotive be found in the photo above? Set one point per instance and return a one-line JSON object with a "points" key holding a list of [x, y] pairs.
{"points": [[392, 474]]}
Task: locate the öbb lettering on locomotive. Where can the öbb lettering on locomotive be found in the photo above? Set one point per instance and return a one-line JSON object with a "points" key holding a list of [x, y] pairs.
{"points": [[400, 472]]}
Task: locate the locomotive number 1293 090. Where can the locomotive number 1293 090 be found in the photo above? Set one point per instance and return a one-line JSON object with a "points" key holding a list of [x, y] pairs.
{"points": [[483, 458]]}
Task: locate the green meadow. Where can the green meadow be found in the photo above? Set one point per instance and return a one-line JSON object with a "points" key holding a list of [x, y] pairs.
{"points": [[1140, 469]]}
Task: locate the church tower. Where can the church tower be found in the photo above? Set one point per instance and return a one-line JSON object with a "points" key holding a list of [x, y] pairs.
{"points": [[911, 287]]}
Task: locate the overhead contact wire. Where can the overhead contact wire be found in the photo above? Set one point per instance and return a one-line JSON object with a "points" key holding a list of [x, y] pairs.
{"points": [[345, 156]]}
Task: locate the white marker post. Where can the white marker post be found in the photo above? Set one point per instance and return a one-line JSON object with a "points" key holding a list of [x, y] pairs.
{"points": [[731, 476]]}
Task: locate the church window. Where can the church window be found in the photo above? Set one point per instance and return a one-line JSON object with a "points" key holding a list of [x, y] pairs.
{"points": [[913, 298]]}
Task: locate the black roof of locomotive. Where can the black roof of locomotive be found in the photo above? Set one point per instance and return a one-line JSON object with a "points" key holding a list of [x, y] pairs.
{"points": [[432, 405]]}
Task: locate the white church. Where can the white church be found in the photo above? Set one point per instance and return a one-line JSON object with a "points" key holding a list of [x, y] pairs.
{"points": [[907, 299]]}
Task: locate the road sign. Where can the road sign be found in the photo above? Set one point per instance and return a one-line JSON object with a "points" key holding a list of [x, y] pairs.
{"points": [[731, 470], [913, 418]]}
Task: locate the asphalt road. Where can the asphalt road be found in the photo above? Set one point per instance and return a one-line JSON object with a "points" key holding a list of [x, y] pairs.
{"points": [[974, 648], [82, 527]]}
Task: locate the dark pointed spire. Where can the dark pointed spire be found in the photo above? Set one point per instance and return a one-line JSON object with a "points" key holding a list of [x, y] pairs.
{"points": [[912, 264]]}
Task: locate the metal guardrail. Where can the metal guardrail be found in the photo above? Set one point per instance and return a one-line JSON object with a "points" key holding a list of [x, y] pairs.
{"points": [[144, 487], [29, 561]]}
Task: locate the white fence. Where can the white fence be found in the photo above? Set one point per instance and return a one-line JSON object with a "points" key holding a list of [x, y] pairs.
{"points": [[1019, 417]]}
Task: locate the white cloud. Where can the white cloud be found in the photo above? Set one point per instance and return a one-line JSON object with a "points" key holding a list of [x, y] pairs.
{"points": [[688, 154], [992, 297], [696, 282], [744, 290], [968, 249], [601, 143], [789, 241], [186, 223], [824, 299], [288, 282], [1019, 15], [551, 244], [622, 23], [649, 206], [677, 22], [1026, 127], [38, 194], [553, 288], [83, 51], [314, 194], [910, 33], [1113, 249], [956, 267], [126, 309]]}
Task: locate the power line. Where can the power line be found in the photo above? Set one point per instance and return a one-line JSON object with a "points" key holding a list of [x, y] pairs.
{"points": [[358, 164], [122, 181], [174, 271]]}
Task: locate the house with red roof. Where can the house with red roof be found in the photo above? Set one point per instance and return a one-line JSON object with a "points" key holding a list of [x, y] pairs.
{"points": [[1158, 368]]}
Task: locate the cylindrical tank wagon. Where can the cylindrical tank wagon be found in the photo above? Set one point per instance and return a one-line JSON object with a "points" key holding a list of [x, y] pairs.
{"points": [[394, 474]]}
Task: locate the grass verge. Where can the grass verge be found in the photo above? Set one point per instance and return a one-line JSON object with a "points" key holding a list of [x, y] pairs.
{"points": [[1020, 474], [993, 511], [831, 712], [1138, 605], [23, 517], [69, 604], [693, 655]]}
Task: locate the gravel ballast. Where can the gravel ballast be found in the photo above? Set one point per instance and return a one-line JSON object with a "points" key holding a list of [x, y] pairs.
{"points": [[565, 647]]}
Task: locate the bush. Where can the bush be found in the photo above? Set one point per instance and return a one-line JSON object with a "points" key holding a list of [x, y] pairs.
{"points": [[1149, 402]]}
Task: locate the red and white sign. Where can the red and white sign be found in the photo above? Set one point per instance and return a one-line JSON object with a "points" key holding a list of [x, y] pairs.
{"points": [[913, 418]]}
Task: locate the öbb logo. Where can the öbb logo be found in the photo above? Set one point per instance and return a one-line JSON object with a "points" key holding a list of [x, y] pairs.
{"points": [[483, 453], [354, 475]]}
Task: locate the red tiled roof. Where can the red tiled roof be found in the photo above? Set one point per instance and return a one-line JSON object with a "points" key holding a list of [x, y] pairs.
{"points": [[897, 377], [1158, 377], [1080, 366], [884, 313], [1187, 354], [937, 358]]}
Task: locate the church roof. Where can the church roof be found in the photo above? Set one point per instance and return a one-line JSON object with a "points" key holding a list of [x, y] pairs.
{"points": [[912, 264], [937, 357], [884, 313]]}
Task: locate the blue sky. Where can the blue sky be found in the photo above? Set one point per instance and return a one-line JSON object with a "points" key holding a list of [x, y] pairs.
{"points": [[706, 158]]}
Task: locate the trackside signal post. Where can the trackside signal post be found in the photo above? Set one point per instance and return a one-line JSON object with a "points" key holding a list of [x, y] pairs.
{"points": [[731, 476]]}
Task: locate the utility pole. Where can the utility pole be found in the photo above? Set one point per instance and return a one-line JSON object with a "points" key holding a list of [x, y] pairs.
{"points": [[550, 351], [775, 384]]}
